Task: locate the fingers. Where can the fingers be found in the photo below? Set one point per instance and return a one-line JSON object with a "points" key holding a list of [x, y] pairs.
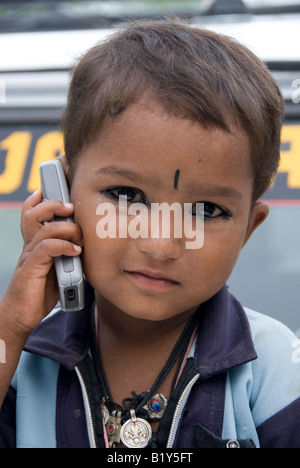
{"points": [[40, 258], [44, 240], [35, 199], [35, 214], [33, 288], [58, 230]]}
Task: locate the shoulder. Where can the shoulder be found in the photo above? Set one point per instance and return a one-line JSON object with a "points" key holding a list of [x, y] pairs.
{"points": [[275, 382], [268, 333], [274, 344], [264, 394]]}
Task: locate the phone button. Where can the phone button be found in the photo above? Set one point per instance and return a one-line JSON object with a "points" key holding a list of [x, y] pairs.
{"points": [[68, 264]]}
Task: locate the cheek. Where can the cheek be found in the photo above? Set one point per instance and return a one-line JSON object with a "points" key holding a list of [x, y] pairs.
{"points": [[87, 221], [214, 262], [96, 260], [101, 259]]}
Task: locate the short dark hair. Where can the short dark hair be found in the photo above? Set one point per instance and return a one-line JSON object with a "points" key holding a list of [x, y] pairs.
{"points": [[195, 73]]}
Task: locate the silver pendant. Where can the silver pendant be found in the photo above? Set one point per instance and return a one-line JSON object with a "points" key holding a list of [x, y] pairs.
{"points": [[113, 427], [156, 406], [136, 432], [105, 414]]}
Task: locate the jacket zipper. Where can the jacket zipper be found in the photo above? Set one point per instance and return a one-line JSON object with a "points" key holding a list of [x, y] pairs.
{"points": [[88, 411], [178, 409]]}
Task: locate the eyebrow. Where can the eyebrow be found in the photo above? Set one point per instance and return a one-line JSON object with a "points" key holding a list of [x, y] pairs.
{"points": [[137, 177], [125, 173], [222, 191]]}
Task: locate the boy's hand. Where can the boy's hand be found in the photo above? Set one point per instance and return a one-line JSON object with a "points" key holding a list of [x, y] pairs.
{"points": [[33, 292]]}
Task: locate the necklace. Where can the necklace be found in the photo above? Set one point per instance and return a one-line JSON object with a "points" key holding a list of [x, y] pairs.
{"points": [[136, 432], [129, 423]]}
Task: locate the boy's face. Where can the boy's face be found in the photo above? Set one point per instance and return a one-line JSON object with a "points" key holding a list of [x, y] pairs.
{"points": [[153, 157]]}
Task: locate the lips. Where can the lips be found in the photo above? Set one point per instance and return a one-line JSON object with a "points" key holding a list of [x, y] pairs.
{"points": [[152, 280]]}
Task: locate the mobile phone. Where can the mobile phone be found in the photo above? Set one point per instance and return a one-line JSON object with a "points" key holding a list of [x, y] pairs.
{"points": [[68, 269]]}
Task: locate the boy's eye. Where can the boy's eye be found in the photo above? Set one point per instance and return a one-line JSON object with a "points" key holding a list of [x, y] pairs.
{"points": [[208, 210], [133, 195]]}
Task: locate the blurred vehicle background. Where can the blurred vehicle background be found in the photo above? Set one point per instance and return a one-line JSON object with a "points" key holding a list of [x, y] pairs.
{"points": [[39, 43]]}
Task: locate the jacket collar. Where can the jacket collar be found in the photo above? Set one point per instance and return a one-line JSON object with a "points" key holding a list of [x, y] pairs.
{"points": [[224, 338]]}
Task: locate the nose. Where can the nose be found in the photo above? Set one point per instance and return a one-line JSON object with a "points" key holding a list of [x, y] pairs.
{"points": [[161, 248], [161, 236]]}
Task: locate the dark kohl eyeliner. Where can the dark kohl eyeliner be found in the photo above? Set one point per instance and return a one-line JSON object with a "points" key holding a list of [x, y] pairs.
{"points": [[134, 195], [211, 211]]}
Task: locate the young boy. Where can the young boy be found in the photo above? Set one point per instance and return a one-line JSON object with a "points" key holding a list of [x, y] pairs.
{"points": [[162, 355]]}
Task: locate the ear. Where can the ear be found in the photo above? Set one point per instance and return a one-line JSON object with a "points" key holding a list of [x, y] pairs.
{"points": [[66, 166], [257, 216]]}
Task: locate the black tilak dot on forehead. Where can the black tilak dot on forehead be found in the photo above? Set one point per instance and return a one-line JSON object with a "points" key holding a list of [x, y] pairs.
{"points": [[176, 179]]}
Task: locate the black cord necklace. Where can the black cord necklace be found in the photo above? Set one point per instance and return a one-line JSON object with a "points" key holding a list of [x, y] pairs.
{"points": [[129, 423]]}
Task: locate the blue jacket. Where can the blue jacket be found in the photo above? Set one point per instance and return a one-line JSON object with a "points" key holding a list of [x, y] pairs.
{"points": [[242, 383]]}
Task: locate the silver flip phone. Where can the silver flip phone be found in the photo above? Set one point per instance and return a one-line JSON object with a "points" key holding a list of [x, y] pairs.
{"points": [[68, 269]]}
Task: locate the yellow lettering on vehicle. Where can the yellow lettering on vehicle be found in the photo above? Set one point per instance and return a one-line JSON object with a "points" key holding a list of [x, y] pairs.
{"points": [[17, 150], [48, 147], [17, 146], [290, 158]]}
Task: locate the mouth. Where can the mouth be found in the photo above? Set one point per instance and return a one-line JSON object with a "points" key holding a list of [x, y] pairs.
{"points": [[152, 280]]}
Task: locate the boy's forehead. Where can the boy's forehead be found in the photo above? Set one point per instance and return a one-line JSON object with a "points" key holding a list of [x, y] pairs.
{"points": [[146, 116], [153, 147], [149, 127], [138, 176]]}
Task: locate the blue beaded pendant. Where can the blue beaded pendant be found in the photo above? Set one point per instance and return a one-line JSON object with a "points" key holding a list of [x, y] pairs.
{"points": [[156, 406]]}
